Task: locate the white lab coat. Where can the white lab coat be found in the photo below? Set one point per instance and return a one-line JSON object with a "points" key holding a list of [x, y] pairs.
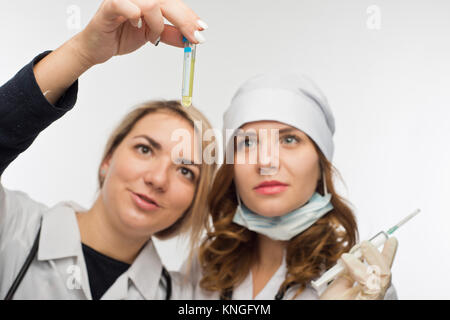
{"points": [[59, 270], [245, 290]]}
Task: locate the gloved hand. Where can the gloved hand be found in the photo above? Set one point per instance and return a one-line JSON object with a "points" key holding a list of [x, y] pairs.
{"points": [[372, 280]]}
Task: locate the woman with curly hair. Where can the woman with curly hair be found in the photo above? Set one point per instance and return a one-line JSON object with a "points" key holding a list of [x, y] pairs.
{"points": [[277, 220]]}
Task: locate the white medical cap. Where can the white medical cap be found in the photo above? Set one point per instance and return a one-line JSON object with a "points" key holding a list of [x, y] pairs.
{"points": [[288, 98]]}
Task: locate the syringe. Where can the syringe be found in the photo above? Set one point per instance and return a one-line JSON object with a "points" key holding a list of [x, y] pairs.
{"points": [[378, 240], [188, 72]]}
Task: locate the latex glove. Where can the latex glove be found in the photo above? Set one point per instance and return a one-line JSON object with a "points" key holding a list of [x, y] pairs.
{"points": [[361, 281], [122, 26]]}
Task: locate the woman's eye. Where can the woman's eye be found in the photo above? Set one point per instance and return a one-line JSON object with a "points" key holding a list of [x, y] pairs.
{"points": [[143, 149], [290, 139], [187, 173], [246, 143]]}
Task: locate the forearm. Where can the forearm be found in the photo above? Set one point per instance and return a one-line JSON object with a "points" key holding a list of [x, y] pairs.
{"points": [[25, 112], [60, 69]]}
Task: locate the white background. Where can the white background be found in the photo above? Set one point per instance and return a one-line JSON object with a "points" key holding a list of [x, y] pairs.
{"points": [[388, 87]]}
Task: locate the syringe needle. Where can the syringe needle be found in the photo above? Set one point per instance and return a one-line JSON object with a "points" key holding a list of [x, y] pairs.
{"points": [[403, 221]]}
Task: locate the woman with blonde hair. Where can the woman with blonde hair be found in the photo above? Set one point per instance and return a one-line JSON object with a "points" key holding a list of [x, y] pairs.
{"points": [[145, 189], [277, 221]]}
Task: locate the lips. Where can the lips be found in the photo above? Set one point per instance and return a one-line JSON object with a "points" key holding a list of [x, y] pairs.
{"points": [[271, 183], [270, 187], [144, 202]]}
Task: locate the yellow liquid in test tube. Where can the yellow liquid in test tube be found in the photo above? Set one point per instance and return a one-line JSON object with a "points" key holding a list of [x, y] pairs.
{"points": [[188, 73]]}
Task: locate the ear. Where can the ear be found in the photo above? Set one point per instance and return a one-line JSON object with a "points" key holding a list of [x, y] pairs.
{"points": [[105, 165]]}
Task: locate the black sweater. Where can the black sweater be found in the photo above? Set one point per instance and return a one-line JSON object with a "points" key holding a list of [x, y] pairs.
{"points": [[25, 112]]}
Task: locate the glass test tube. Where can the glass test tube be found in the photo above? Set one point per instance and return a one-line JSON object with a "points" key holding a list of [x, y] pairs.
{"points": [[188, 73]]}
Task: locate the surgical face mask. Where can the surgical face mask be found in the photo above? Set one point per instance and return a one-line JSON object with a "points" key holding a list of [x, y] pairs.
{"points": [[289, 225]]}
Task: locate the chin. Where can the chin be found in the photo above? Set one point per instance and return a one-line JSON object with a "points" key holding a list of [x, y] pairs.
{"points": [[137, 223]]}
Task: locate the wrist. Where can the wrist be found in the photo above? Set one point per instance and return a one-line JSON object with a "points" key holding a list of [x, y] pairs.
{"points": [[60, 69], [79, 52]]}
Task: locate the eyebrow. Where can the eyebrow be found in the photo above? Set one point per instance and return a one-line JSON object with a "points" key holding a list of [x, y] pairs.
{"points": [[152, 142], [286, 130], [245, 133], [253, 134], [188, 163]]}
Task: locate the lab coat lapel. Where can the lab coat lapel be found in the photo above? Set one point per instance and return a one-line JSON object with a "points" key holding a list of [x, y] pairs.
{"points": [[245, 290], [119, 289], [144, 274], [60, 238], [146, 271]]}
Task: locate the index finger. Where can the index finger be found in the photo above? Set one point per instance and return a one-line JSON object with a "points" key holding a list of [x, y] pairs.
{"points": [[389, 250], [182, 17], [111, 10]]}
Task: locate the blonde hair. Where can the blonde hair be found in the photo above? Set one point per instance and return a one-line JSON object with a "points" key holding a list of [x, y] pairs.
{"points": [[196, 215]]}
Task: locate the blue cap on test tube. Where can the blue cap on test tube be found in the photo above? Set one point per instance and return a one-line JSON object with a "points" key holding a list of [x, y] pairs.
{"points": [[186, 48]]}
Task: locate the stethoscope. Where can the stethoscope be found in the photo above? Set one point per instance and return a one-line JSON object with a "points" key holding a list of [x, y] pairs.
{"points": [[12, 290]]}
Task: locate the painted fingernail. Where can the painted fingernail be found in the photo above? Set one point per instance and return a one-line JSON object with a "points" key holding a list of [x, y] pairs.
{"points": [[200, 38], [157, 41], [139, 25], [202, 24]]}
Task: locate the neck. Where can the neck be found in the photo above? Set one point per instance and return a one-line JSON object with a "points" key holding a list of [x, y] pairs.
{"points": [[98, 232], [270, 253]]}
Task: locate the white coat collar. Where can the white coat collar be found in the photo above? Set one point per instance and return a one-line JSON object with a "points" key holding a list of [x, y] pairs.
{"points": [[146, 271], [60, 238], [60, 235]]}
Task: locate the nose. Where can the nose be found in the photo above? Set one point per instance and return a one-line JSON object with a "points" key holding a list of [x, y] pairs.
{"points": [[264, 157], [157, 174], [268, 155]]}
